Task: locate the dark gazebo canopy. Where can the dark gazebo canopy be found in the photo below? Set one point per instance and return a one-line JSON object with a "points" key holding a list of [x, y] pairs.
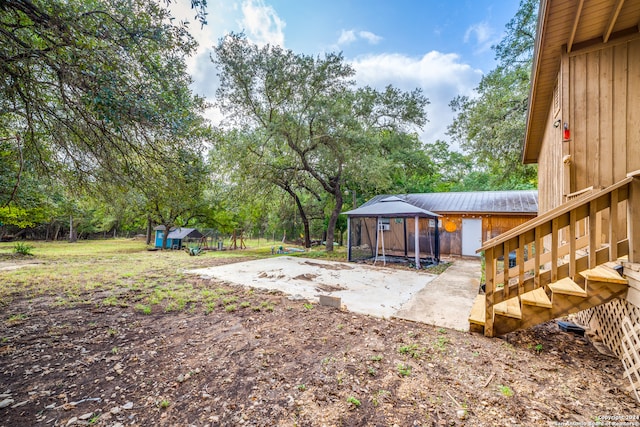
{"points": [[360, 233], [391, 206]]}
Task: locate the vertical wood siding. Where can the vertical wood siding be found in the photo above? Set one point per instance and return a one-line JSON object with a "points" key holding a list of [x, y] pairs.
{"points": [[604, 118], [550, 169], [492, 225]]}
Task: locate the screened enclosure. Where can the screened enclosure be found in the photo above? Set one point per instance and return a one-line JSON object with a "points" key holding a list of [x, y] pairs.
{"points": [[392, 230]]}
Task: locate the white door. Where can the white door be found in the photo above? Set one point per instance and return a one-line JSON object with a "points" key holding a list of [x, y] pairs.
{"points": [[471, 236]]}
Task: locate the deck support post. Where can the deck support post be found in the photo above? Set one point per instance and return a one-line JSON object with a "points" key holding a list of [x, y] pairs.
{"points": [[489, 280], [633, 223]]}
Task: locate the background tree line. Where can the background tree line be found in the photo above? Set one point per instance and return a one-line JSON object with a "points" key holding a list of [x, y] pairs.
{"points": [[100, 133]]}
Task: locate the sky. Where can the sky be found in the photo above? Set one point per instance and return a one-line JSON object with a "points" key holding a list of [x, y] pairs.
{"points": [[442, 47]]}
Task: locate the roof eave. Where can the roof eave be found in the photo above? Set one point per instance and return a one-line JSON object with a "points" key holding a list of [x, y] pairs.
{"points": [[528, 213], [393, 215]]}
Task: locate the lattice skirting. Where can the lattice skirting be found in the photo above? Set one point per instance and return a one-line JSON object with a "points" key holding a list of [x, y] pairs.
{"points": [[618, 324]]}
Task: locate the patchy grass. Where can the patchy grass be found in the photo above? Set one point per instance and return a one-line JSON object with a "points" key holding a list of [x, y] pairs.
{"points": [[505, 390], [438, 269], [339, 253], [364, 370], [113, 273], [123, 273]]}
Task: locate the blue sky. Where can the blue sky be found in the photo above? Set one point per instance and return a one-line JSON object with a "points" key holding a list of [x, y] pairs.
{"points": [[443, 47]]}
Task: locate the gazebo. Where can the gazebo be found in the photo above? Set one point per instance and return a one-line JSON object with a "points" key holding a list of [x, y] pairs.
{"points": [[393, 229]]}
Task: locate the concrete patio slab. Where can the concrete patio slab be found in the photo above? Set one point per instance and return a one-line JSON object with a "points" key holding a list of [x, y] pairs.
{"points": [[447, 300], [366, 289]]}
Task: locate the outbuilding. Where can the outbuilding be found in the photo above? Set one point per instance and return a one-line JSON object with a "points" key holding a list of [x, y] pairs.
{"points": [[177, 236], [467, 219]]}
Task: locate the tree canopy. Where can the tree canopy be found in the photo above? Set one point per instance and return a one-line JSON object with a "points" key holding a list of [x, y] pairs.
{"points": [[304, 125], [95, 103], [491, 126], [88, 85], [100, 130]]}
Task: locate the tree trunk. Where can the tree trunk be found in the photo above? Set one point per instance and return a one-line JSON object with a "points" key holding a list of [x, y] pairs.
{"points": [[331, 227], [167, 228], [57, 233], [303, 216], [72, 233], [149, 230], [305, 221]]}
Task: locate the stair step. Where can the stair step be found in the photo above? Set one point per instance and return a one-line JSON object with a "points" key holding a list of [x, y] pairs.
{"points": [[509, 308], [567, 286], [537, 297], [603, 274], [478, 311]]}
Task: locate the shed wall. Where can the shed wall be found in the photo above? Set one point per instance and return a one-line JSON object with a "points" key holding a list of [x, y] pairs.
{"points": [[492, 225], [170, 242]]}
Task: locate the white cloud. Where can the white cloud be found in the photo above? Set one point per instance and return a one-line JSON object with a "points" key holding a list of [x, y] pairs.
{"points": [[205, 75], [483, 35], [441, 77], [351, 36], [370, 37], [199, 65], [347, 37], [261, 23]]}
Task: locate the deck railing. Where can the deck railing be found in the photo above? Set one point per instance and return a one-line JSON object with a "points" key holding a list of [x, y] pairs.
{"points": [[584, 232]]}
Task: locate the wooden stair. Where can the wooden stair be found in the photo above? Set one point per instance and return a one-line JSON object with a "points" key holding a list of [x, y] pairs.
{"points": [[557, 299], [567, 286], [477, 316]]}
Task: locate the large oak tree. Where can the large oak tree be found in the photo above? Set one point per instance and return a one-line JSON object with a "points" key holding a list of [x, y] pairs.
{"points": [[306, 118]]}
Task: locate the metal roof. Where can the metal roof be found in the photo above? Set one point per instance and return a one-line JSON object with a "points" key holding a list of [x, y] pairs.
{"points": [[491, 202], [390, 206], [180, 232]]}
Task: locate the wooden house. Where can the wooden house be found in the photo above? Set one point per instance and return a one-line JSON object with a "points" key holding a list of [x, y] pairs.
{"points": [[467, 219], [178, 236], [583, 131]]}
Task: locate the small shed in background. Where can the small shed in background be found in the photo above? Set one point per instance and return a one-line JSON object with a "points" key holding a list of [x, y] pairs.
{"points": [[467, 219], [178, 236], [392, 229]]}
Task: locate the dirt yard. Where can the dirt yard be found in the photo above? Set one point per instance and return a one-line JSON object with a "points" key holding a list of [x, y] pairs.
{"points": [[243, 357]]}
